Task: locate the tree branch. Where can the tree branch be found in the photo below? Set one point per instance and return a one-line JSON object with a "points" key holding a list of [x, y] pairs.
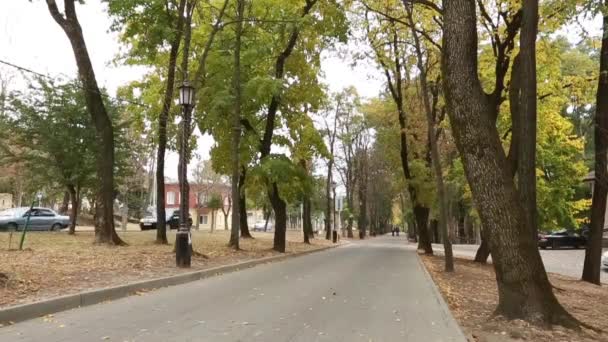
{"points": [[59, 18]]}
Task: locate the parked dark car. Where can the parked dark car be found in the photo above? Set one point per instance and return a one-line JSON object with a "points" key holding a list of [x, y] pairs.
{"points": [[173, 221], [40, 219], [563, 238], [171, 217]]}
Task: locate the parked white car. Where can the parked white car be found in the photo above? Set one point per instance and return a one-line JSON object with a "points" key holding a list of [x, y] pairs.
{"points": [[605, 259], [259, 226]]}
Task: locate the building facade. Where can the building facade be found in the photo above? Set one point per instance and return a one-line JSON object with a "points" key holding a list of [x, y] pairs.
{"points": [[6, 201], [204, 212]]}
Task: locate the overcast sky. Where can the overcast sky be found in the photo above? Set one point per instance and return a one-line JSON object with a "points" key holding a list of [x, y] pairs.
{"points": [[29, 37]]}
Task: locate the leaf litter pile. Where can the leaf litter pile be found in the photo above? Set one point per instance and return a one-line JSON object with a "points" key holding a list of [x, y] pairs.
{"points": [[472, 296], [55, 263]]}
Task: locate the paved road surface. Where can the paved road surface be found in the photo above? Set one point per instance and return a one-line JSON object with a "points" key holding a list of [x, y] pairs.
{"points": [[565, 261], [374, 290]]}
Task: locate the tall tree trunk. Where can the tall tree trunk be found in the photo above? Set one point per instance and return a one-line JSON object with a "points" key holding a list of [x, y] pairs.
{"points": [[421, 217], [105, 232], [280, 218], [245, 234], [328, 215], [74, 199], [267, 213], [351, 205], [65, 203], [236, 127], [523, 287], [483, 252], [161, 219], [526, 163], [362, 194], [593, 254], [435, 158], [306, 208], [212, 220], [307, 219]]}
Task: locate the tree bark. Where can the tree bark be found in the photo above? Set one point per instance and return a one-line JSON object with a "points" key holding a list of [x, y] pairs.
{"points": [[245, 234], [523, 287], [280, 218], [483, 252], [306, 209], [65, 203], [526, 167], [593, 254], [105, 232], [75, 200], [307, 218], [267, 213], [362, 220], [328, 181], [421, 217], [161, 219]]}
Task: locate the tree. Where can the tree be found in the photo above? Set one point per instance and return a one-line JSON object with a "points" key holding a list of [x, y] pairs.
{"points": [[526, 161], [431, 116], [307, 207], [331, 132], [226, 207], [591, 270], [147, 27], [236, 121], [523, 287], [215, 204], [351, 127], [104, 218], [52, 134], [386, 38], [243, 205]]}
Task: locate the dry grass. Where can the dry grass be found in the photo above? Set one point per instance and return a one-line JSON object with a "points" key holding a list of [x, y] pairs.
{"points": [[472, 296], [57, 264]]}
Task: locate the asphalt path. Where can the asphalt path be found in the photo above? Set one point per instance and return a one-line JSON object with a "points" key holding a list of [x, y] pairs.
{"points": [[375, 290]]}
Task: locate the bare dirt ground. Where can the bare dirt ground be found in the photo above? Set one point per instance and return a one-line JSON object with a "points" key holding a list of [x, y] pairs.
{"points": [[55, 263], [471, 294]]}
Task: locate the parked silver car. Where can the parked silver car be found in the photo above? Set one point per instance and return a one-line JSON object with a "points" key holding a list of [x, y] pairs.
{"points": [[41, 219]]}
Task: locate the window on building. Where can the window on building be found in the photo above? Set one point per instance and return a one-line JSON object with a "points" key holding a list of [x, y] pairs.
{"points": [[204, 219], [170, 197]]}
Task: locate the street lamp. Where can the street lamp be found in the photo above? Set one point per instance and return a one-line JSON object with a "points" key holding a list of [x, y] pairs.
{"points": [[183, 250]]}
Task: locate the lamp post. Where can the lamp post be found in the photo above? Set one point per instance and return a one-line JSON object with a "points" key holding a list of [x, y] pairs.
{"points": [[334, 232], [183, 243]]}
